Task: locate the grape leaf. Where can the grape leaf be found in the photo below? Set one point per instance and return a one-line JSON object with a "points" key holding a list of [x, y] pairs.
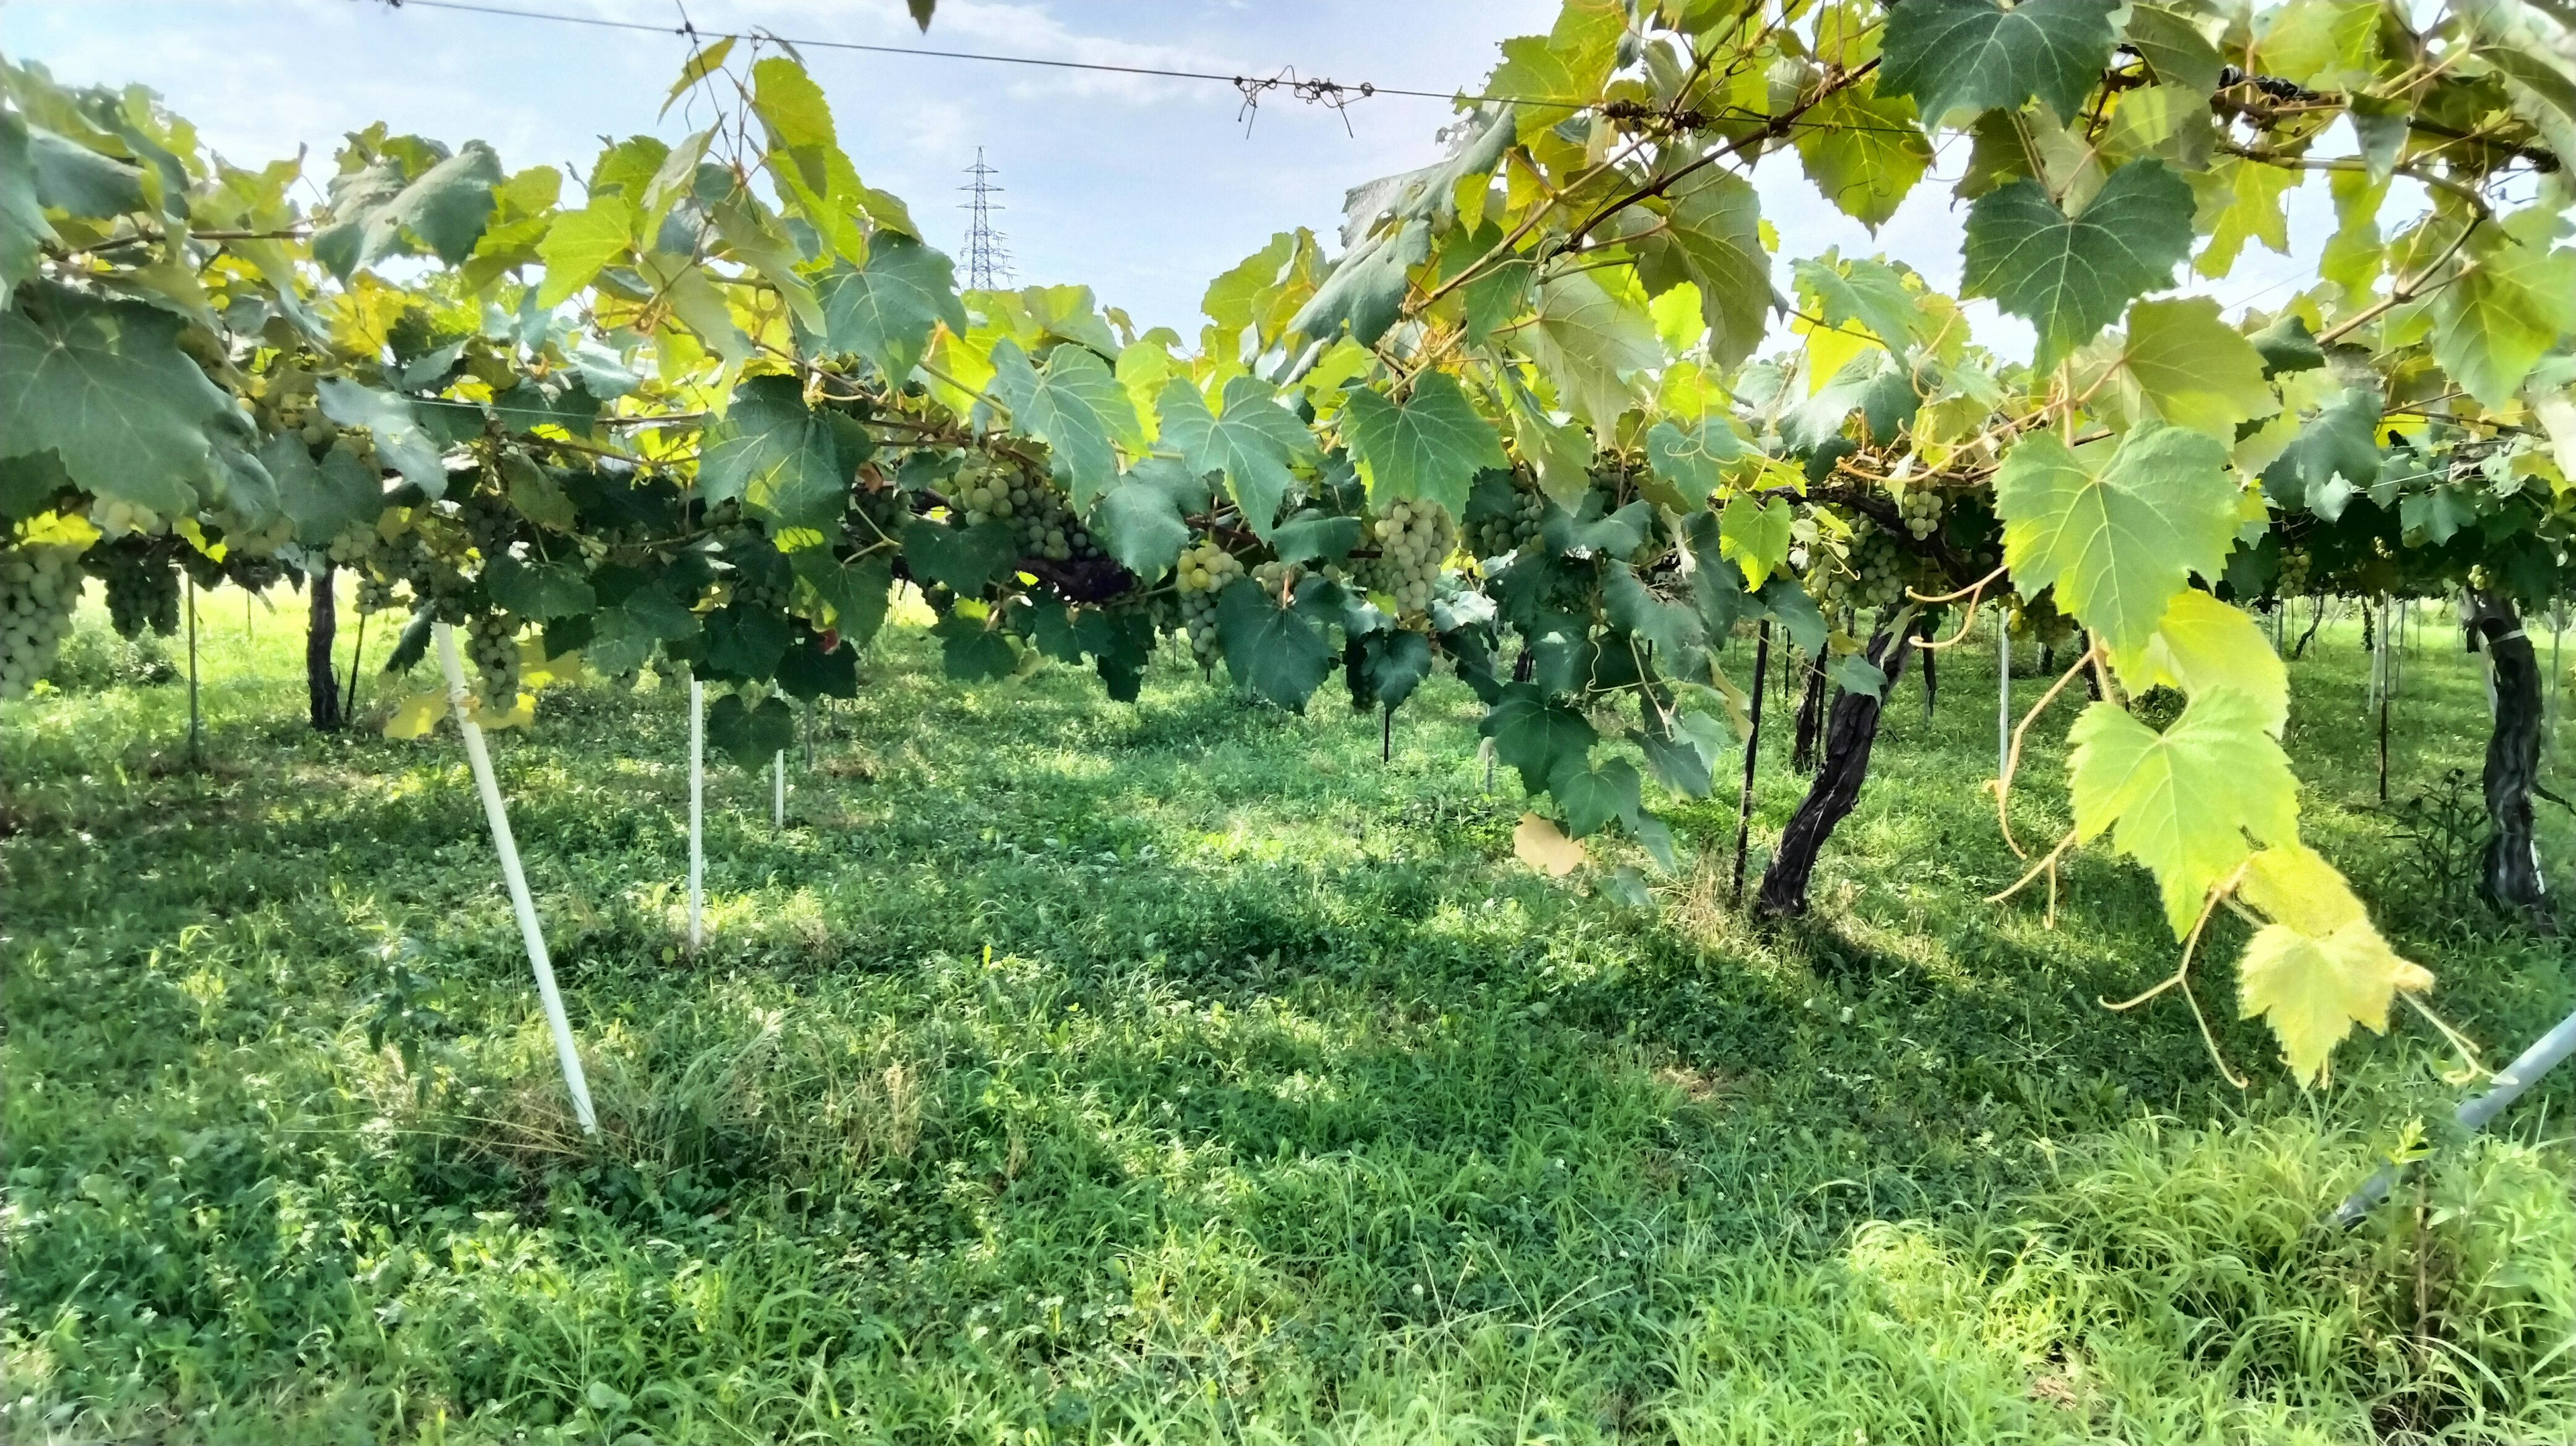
{"points": [[1592, 345], [886, 310], [1075, 406], [1142, 520], [579, 243], [538, 591], [1692, 459], [1864, 154], [2511, 302], [2295, 886], [325, 499], [2183, 801], [1365, 289], [777, 455], [742, 642], [749, 735], [2203, 644], [2174, 47], [104, 385], [1250, 438], [1429, 446], [854, 594], [2332, 458], [2239, 201], [2117, 544], [1594, 792], [1754, 535], [1387, 666], [1544, 847], [1277, 653], [1868, 292], [380, 211], [963, 558], [23, 227], [2070, 276], [809, 671], [2312, 989], [1535, 734], [970, 652], [2193, 369], [1712, 238], [1950, 54]]}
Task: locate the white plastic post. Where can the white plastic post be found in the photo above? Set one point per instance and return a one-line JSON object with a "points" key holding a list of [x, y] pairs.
{"points": [[2003, 688], [697, 812], [493, 813], [778, 791]]}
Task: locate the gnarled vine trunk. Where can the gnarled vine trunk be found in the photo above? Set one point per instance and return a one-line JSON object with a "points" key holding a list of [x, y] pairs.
{"points": [[1849, 734], [322, 626], [1811, 717], [2509, 877]]}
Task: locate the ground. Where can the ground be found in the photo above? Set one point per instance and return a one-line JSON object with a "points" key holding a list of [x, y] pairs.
{"points": [[1178, 1071]]}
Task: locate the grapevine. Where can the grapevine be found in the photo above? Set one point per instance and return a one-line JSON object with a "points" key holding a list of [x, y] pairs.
{"points": [[1205, 571]]}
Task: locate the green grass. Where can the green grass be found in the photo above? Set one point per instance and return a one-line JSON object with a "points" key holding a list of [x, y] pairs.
{"points": [[1176, 1071]]}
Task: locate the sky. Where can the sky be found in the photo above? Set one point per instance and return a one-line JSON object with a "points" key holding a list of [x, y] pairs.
{"points": [[1141, 187]]}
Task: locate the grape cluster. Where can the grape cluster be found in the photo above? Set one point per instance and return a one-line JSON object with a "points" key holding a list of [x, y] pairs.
{"points": [[1874, 573], [1498, 533], [488, 526], [430, 570], [142, 585], [39, 587], [2294, 572], [1413, 540], [1920, 509], [2038, 620], [2479, 578], [492, 643], [1204, 572], [355, 544], [762, 593]]}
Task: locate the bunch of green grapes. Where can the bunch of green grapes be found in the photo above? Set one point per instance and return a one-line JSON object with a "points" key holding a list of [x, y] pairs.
{"points": [[1497, 534], [488, 526], [763, 593], [1413, 540], [2294, 572], [1920, 510], [39, 587], [1205, 570], [986, 493], [2038, 620], [355, 544], [142, 585], [1873, 573], [429, 568], [492, 644]]}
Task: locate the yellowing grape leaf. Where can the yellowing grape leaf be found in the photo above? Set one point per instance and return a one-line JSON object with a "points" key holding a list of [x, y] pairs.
{"points": [[2201, 644], [2183, 801], [1543, 847], [416, 714], [2312, 990], [2194, 370], [2117, 544], [2294, 886]]}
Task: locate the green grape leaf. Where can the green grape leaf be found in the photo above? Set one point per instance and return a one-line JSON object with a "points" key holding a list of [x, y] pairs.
{"points": [[72, 178], [2288, 347], [1387, 666], [1142, 520], [1952, 54], [1868, 292], [964, 559], [321, 499], [1586, 528], [886, 310], [1563, 69], [1279, 654], [970, 652], [1250, 438], [2183, 802], [778, 455], [104, 385], [1795, 612], [23, 227], [1685, 758], [1535, 734], [402, 443], [1754, 535], [2174, 48], [1594, 793], [1365, 289], [1311, 535], [2239, 201], [854, 594], [578, 244], [808, 671], [2332, 459], [538, 591], [743, 643], [1429, 194], [2070, 276], [1076, 406], [1592, 345], [1864, 154], [1855, 674], [1711, 237], [2119, 542], [749, 735], [1673, 628], [1429, 446], [2193, 369], [376, 212], [1693, 460], [2436, 515], [2512, 300]]}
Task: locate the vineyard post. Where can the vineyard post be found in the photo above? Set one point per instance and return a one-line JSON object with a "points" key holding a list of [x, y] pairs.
{"points": [[357, 652], [1752, 747], [778, 791], [480, 758], [2473, 1114], [2379, 672], [697, 810], [2003, 689], [196, 756]]}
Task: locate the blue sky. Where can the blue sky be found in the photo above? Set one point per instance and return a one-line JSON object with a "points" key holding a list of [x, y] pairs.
{"points": [[1143, 188]]}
